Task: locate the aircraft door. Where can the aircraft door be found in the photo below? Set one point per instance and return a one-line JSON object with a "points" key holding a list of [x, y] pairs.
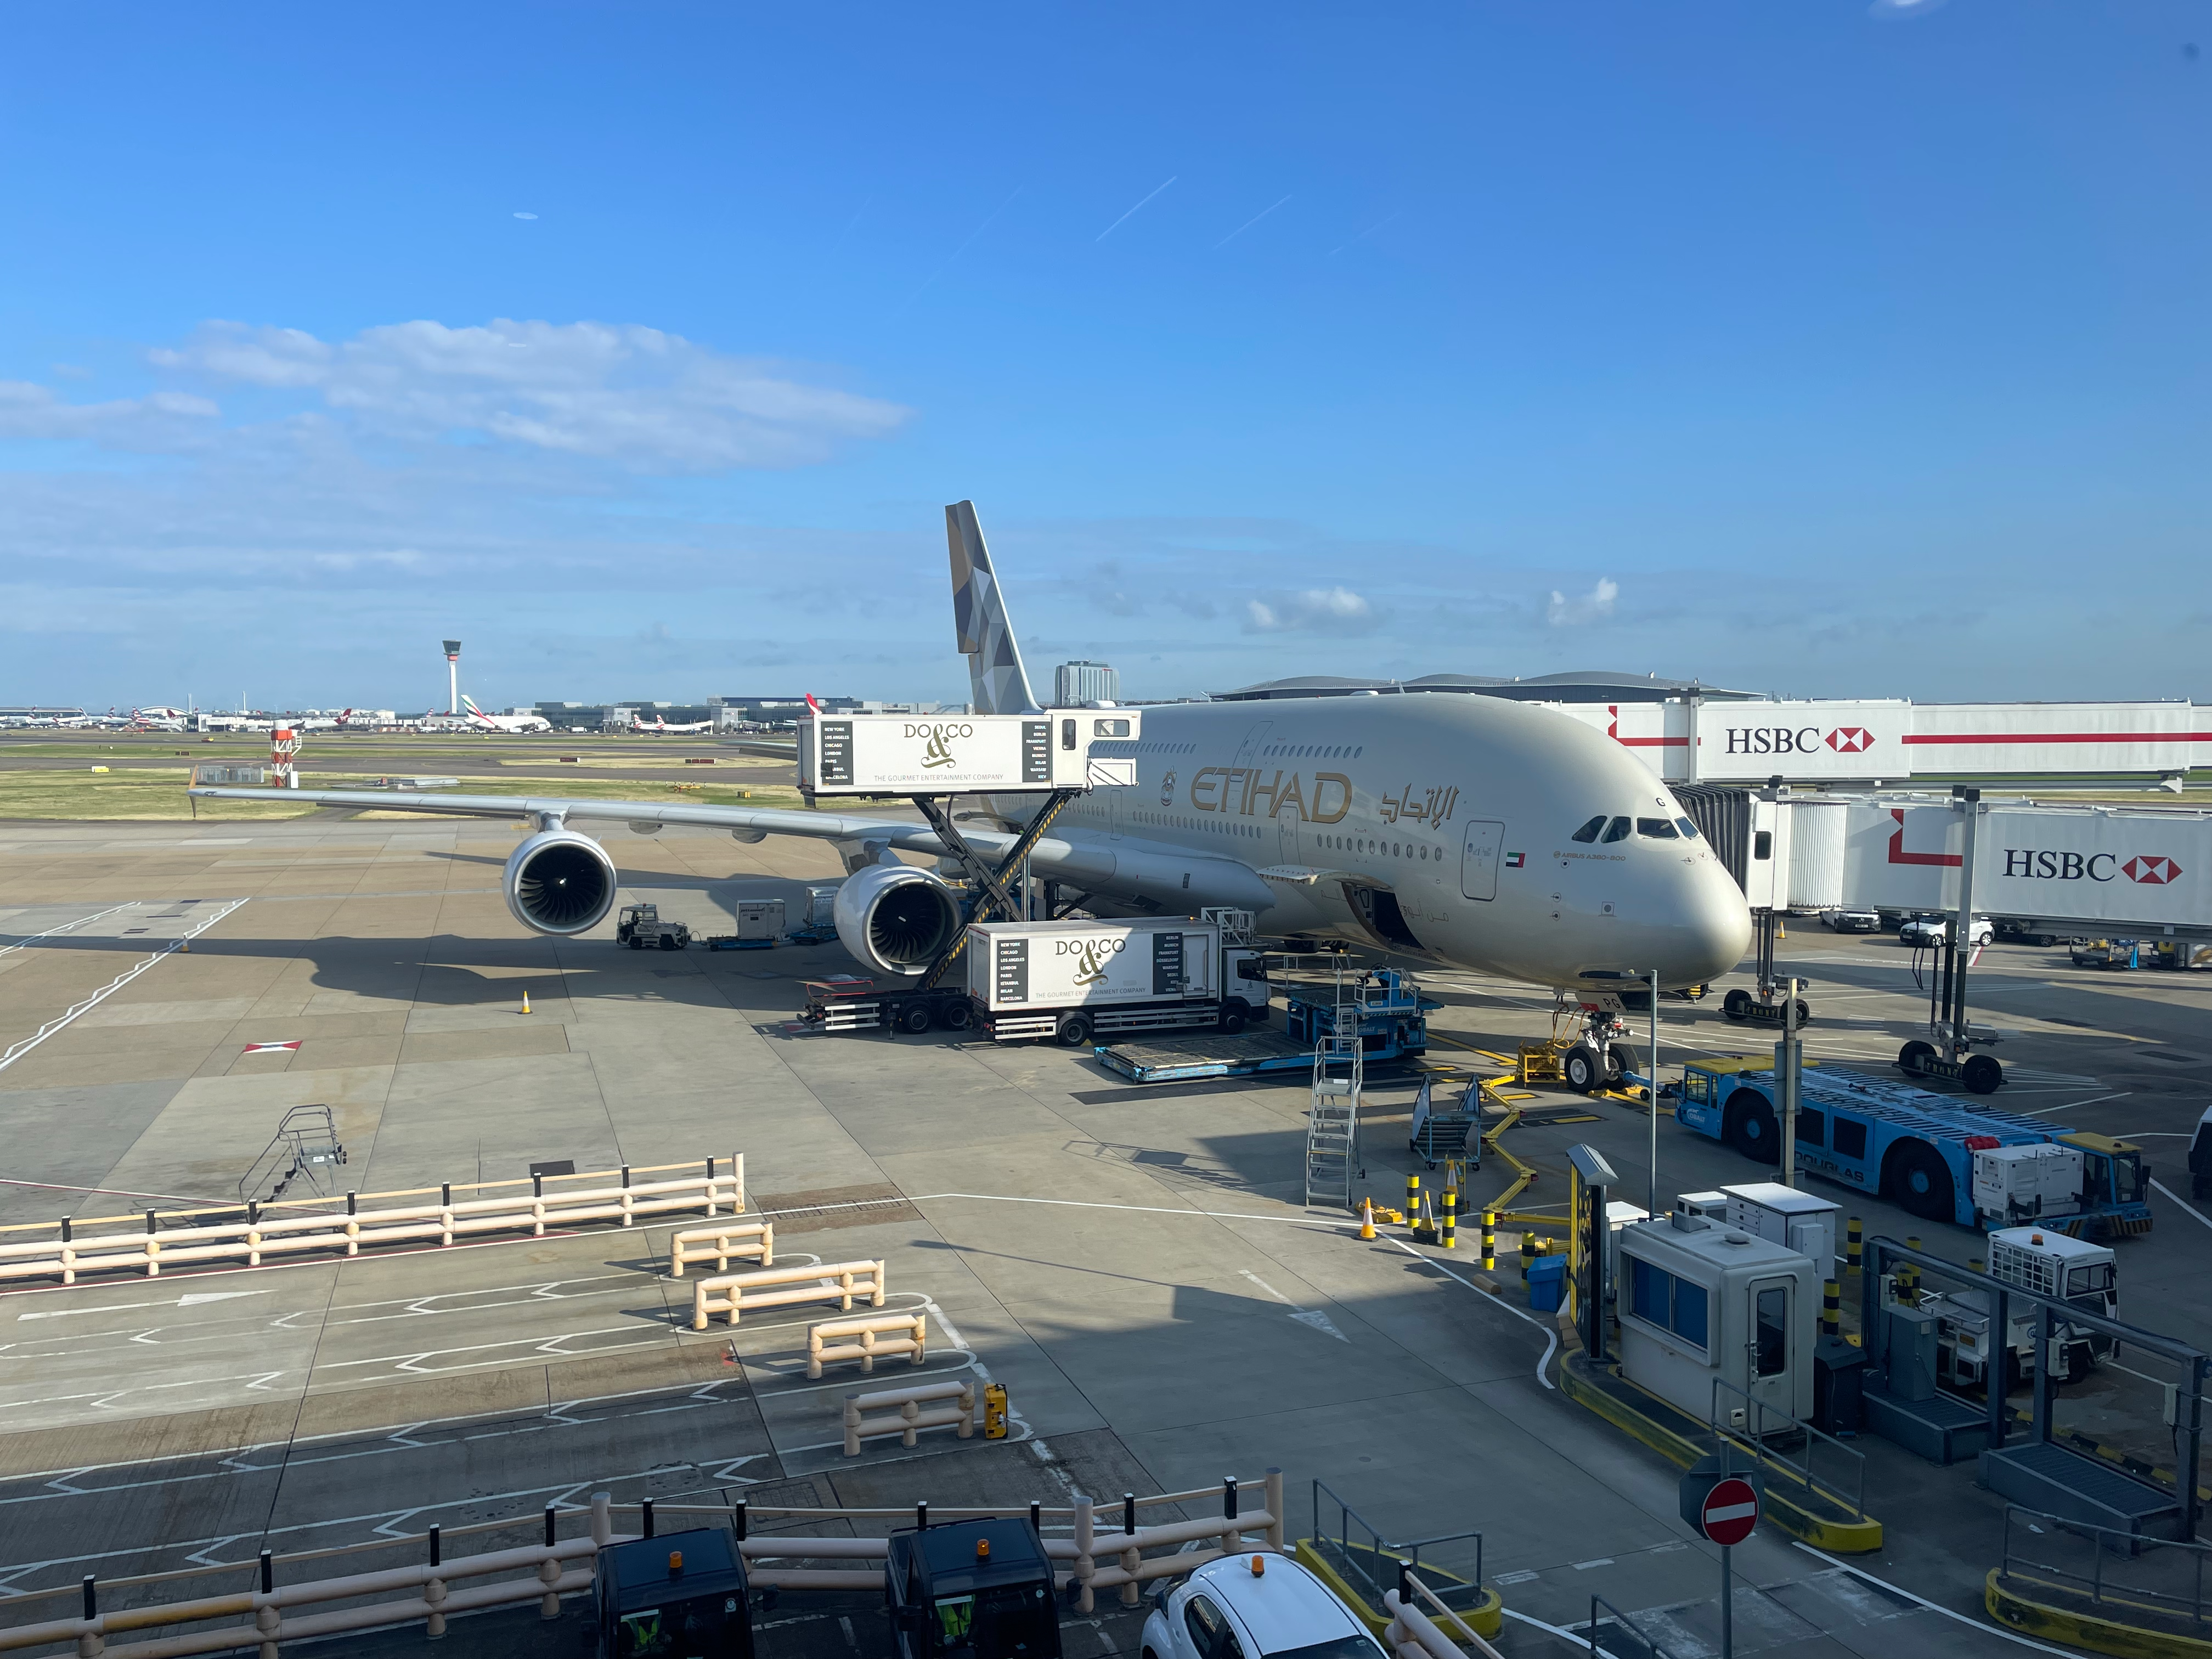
{"points": [[1478, 859], [1770, 1364]]}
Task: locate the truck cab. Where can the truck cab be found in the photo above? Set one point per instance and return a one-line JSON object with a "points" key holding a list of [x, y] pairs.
{"points": [[681, 1596], [974, 1589]]}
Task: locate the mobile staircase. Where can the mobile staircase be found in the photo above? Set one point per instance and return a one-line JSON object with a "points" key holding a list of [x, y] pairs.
{"points": [[305, 1147], [1339, 1070]]}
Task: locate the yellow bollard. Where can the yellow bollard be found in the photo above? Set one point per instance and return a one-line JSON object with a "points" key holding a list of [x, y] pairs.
{"points": [[1450, 1239], [1831, 1309], [994, 1412], [1855, 1251], [1490, 1240], [1367, 1217], [1413, 1202]]}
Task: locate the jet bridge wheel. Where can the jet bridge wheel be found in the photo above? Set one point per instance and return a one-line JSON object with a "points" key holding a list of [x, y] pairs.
{"points": [[1736, 1004], [1911, 1057], [1982, 1074]]}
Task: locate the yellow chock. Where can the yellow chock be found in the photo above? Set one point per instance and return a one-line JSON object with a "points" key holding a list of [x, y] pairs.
{"points": [[525, 1002], [1367, 1217]]}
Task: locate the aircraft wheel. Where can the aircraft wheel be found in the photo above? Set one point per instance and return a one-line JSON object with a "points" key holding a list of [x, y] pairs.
{"points": [[1982, 1074], [1582, 1069], [1619, 1062]]}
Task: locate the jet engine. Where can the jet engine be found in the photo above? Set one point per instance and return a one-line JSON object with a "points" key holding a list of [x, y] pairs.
{"points": [[559, 882], [896, 917]]}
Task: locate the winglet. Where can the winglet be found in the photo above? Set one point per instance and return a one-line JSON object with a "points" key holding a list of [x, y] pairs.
{"points": [[984, 632]]}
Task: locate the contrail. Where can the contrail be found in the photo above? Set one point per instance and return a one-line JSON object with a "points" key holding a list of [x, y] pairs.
{"points": [[956, 252], [1248, 225], [1125, 218], [1362, 235]]}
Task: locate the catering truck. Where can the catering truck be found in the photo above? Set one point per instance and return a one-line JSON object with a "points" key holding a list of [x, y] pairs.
{"points": [[1069, 980]]}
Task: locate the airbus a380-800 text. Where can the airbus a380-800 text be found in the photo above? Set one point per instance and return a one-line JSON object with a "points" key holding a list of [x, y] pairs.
{"points": [[1458, 829]]}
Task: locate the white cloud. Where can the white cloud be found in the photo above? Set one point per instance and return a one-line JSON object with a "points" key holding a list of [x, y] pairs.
{"points": [[165, 420], [1592, 606], [1339, 609], [636, 397]]}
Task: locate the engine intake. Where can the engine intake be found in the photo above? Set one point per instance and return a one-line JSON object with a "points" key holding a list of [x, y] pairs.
{"points": [[895, 918], [560, 882]]}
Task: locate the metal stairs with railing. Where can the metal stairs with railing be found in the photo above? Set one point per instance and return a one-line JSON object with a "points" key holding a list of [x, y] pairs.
{"points": [[1332, 1120]]}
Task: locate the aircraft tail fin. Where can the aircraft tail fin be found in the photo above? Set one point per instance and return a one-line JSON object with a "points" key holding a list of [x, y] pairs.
{"points": [[996, 678]]}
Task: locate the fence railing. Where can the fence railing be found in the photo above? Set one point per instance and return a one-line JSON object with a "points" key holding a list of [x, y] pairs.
{"points": [[2164, 1576], [1841, 1476], [261, 1231], [1653, 1648], [1369, 1562], [1103, 1547]]}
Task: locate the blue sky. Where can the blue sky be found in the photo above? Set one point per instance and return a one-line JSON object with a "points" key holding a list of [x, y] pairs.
{"points": [[1824, 348]]}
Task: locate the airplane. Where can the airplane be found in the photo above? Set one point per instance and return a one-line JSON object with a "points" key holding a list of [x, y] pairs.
{"points": [[1462, 831], [660, 727], [482, 721]]}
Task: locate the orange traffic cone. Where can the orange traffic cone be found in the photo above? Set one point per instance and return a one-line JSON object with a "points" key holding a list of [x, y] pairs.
{"points": [[525, 1002]]}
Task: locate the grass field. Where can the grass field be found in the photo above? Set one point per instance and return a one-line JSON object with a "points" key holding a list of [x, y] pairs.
{"points": [[158, 793]]}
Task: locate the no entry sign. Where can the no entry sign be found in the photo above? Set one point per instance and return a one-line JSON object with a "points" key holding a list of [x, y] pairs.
{"points": [[1730, 1511]]}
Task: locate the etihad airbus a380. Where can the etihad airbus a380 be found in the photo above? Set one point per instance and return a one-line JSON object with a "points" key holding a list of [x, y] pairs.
{"points": [[1462, 830]]}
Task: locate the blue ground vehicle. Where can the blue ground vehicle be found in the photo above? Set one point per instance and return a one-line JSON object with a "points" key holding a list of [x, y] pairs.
{"points": [[1908, 1145]]}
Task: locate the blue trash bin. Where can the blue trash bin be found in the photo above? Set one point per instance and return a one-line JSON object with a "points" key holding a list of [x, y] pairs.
{"points": [[1547, 1283]]}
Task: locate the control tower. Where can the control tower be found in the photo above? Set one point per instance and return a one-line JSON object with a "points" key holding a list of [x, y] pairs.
{"points": [[453, 676]]}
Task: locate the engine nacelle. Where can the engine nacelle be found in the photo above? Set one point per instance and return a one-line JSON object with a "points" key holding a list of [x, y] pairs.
{"points": [[896, 917], [559, 882]]}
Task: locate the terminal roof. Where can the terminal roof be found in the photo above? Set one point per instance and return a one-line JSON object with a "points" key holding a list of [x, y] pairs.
{"points": [[1578, 686]]}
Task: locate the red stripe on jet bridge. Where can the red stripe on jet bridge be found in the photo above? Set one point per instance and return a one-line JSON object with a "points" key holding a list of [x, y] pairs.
{"points": [[2062, 736], [1653, 743]]}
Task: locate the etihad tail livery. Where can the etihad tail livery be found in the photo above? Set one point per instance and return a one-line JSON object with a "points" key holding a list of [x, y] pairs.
{"points": [[477, 718], [1464, 831]]}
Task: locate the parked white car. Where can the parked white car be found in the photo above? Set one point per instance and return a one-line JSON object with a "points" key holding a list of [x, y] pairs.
{"points": [[1852, 920], [1924, 931], [1256, 1607]]}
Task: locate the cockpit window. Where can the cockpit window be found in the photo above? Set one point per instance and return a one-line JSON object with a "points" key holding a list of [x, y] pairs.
{"points": [[1689, 829], [1657, 829], [1588, 832], [1617, 830]]}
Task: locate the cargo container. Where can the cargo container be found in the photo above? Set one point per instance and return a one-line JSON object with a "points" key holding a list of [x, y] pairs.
{"points": [[1067, 981]]}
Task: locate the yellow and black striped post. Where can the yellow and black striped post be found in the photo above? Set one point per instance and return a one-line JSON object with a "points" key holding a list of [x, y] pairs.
{"points": [[1831, 1309], [1490, 1240], [1413, 1202], [1527, 1252], [1855, 1251], [1450, 1239]]}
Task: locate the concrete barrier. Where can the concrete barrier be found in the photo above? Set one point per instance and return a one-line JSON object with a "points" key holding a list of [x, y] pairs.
{"points": [[753, 1238], [778, 1287], [871, 1341], [911, 1417], [264, 1234]]}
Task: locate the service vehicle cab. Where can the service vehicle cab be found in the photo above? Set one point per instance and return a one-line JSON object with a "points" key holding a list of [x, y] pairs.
{"points": [[973, 1590], [1256, 1607], [681, 1596], [1852, 919], [1924, 931]]}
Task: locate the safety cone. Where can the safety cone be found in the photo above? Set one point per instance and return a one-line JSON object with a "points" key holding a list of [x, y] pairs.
{"points": [[1367, 1217], [525, 1002]]}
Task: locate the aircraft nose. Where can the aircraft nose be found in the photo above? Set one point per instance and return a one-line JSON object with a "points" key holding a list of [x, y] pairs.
{"points": [[1716, 929]]}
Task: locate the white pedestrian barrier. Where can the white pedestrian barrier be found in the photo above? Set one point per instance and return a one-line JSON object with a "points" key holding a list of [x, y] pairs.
{"points": [[911, 1418], [753, 1238], [872, 1340], [778, 1287], [265, 1232]]}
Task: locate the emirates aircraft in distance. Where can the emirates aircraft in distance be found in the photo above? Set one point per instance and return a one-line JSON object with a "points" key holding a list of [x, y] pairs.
{"points": [[1462, 830], [661, 728], [476, 717]]}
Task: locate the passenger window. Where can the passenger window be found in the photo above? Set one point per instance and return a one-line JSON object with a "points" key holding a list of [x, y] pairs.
{"points": [[1811, 1127], [1656, 830], [1588, 832], [1850, 1137], [1617, 830], [1773, 1336], [1689, 829]]}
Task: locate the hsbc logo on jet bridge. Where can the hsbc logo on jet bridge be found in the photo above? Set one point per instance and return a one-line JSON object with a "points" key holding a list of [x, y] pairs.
{"points": [[1798, 740], [2146, 870]]}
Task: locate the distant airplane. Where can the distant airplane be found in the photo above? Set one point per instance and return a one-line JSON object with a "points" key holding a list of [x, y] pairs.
{"points": [[661, 728], [503, 722]]}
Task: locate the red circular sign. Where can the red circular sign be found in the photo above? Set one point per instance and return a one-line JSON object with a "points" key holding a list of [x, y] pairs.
{"points": [[1731, 1512]]}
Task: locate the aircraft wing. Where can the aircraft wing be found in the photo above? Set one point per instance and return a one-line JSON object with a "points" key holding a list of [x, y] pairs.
{"points": [[765, 820]]}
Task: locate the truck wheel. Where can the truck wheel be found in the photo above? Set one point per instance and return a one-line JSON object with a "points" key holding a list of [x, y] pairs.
{"points": [[1072, 1031], [1911, 1057], [2044, 941], [635, 943], [1232, 1018], [1582, 1069], [1751, 1127], [1981, 1073], [1920, 1181], [1736, 1004], [913, 1018], [668, 942], [956, 1016]]}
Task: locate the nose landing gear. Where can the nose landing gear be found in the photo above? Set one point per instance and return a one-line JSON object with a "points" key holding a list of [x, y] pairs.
{"points": [[1599, 1058]]}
